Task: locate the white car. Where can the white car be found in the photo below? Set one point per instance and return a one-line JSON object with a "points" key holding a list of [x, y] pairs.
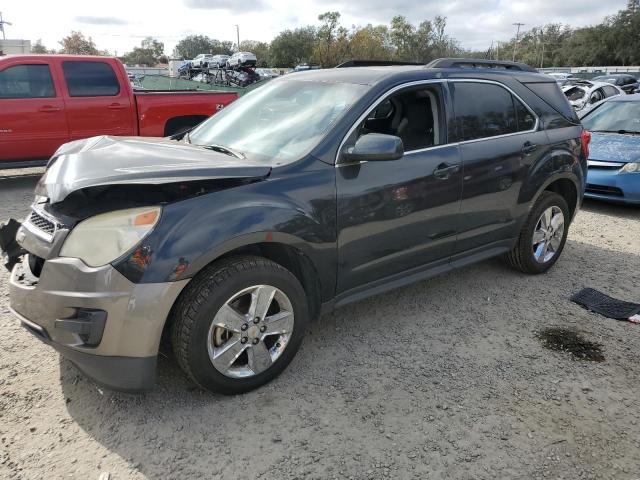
{"points": [[202, 60], [218, 61], [241, 59], [583, 94]]}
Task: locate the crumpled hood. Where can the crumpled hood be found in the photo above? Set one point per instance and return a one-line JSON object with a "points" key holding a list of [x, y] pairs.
{"points": [[134, 160], [613, 147]]}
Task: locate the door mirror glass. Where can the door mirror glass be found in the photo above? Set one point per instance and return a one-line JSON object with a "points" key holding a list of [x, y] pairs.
{"points": [[374, 147]]}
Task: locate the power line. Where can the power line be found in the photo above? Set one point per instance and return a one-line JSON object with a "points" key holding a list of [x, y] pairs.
{"points": [[515, 45]]}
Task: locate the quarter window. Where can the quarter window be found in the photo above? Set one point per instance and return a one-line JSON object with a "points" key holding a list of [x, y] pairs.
{"points": [[90, 79], [26, 81], [485, 110]]}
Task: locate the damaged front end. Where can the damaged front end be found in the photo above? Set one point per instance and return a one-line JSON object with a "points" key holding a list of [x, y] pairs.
{"points": [[92, 210]]}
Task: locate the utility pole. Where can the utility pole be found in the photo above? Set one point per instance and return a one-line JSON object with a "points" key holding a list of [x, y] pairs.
{"points": [[238, 34], [2, 24], [542, 57], [515, 45]]}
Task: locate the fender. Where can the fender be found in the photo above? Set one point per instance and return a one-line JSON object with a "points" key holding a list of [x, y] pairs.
{"points": [[195, 232]]}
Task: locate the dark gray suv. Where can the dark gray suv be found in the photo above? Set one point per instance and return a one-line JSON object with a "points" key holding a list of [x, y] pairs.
{"points": [[316, 190]]}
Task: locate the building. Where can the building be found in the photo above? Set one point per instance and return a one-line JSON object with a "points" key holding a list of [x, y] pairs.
{"points": [[14, 46]]}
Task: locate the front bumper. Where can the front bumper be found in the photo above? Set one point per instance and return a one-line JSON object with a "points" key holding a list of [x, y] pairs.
{"points": [[611, 186], [54, 308]]}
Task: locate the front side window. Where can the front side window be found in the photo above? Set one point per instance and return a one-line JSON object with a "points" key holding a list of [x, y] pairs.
{"points": [[26, 81], [610, 91], [483, 110], [90, 79], [281, 121], [414, 115]]}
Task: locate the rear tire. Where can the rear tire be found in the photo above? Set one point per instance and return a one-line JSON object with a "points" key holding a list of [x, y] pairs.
{"points": [[543, 235], [238, 324]]}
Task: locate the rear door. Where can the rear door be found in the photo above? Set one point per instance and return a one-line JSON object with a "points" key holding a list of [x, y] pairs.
{"points": [[499, 141], [96, 101], [32, 119]]}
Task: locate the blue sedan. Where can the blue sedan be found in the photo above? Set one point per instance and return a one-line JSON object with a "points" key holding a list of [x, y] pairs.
{"points": [[614, 158]]}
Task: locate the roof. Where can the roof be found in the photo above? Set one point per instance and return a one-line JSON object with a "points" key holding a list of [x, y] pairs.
{"points": [[625, 98], [374, 75], [35, 56]]}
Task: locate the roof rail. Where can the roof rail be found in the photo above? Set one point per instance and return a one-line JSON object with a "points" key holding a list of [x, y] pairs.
{"points": [[479, 63], [374, 63]]}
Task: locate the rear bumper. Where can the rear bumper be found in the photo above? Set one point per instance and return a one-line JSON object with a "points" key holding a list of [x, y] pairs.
{"points": [[611, 186], [106, 325]]}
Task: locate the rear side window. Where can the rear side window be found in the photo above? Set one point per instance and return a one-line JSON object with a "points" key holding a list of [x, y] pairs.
{"points": [[485, 110], [90, 79], [610, 91], [551, 94], [26, 81]]}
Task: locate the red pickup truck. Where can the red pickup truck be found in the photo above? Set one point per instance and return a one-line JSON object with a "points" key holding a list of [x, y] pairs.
{"points": [[48, 100]]}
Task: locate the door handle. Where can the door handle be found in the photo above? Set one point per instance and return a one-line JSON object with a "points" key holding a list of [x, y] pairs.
{"points": [[117, 106], [49, 109], [528, 148], [444, 171]]}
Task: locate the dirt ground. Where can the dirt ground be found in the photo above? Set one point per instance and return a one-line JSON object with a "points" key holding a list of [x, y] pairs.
{"points": [[445, 379]]}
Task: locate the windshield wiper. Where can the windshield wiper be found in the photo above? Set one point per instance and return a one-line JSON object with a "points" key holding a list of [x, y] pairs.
{"points": [[621, 132], [225, 150]]}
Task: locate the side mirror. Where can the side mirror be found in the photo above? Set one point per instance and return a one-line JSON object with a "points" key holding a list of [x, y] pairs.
{"points": [[375, 147]]}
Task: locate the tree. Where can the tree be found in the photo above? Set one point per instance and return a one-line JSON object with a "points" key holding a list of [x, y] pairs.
{"points": [[77, 44], [194, 45], [371, 43], [149, 53], [39, 48], [292, 47], [402, 37]]}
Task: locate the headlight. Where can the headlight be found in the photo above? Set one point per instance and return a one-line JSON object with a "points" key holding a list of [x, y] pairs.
{"points": [[633, 167], [102, 239]]}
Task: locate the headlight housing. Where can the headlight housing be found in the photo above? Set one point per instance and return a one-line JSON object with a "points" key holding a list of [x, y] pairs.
{"points": [[632, 167], [104, 238]]}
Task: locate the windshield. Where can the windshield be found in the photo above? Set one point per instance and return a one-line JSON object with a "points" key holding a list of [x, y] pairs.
{"points": [[621, 117], [281, 121]]}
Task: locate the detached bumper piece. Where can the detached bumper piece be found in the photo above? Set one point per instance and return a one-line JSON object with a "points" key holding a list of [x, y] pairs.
{"points": [[10, 249]]}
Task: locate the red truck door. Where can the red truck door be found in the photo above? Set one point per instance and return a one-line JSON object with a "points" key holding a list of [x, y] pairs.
{"points": [[97, 100], [32, 118]]}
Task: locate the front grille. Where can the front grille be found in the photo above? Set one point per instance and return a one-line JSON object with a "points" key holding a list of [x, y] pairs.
{"points": [[42, 223], [604, 190]]}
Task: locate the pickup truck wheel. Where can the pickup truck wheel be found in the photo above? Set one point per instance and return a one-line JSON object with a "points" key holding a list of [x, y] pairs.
{"points": [[239, 324], [543, 235]]}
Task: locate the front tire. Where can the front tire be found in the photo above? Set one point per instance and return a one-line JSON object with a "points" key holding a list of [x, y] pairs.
{"points": [[543, 235], [238, 324]]}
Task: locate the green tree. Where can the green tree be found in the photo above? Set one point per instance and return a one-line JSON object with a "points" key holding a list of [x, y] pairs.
{"points": [[193, 45], [403, 38], [76, 44], [149, 53], [292, 47], [332, 41], [371, 43]]}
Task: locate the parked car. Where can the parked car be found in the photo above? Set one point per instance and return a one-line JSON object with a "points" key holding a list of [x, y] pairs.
{"points": [[48, 100], [627, 83], [614, 159], [202, 60], [185, 68], [267, 72], [584, 94], [303, 67], [241, 59], [218, 61], [304, 195]]}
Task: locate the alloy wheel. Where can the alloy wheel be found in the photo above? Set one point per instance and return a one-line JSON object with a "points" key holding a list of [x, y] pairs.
{"points": [[250, 331], [548, 234]]}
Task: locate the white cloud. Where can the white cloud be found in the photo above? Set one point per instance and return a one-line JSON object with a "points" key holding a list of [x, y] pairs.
{"points": [[119, 25]]}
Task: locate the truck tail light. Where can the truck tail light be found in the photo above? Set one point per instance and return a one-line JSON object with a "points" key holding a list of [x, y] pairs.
{"points": [[585, 136]]}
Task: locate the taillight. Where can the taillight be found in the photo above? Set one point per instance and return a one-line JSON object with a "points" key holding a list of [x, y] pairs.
{"points": [[585, 136]]}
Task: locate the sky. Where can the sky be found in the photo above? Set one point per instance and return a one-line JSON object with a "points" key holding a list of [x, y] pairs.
{"points": [[119, 25]]}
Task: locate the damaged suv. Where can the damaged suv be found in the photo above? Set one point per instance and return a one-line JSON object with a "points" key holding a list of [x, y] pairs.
{"points": [[319, 189]]}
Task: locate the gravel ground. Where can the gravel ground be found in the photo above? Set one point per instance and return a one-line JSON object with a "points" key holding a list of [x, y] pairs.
{"points": [[405, 385]]}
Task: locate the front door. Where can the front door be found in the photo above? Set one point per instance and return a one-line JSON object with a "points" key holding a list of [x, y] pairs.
{"points": [[95, 101], [394, 216], [32, 118]]}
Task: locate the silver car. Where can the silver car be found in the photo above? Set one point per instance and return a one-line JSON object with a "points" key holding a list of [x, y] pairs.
{"points": [[202, 60], [242, 59], [582, 94]]}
